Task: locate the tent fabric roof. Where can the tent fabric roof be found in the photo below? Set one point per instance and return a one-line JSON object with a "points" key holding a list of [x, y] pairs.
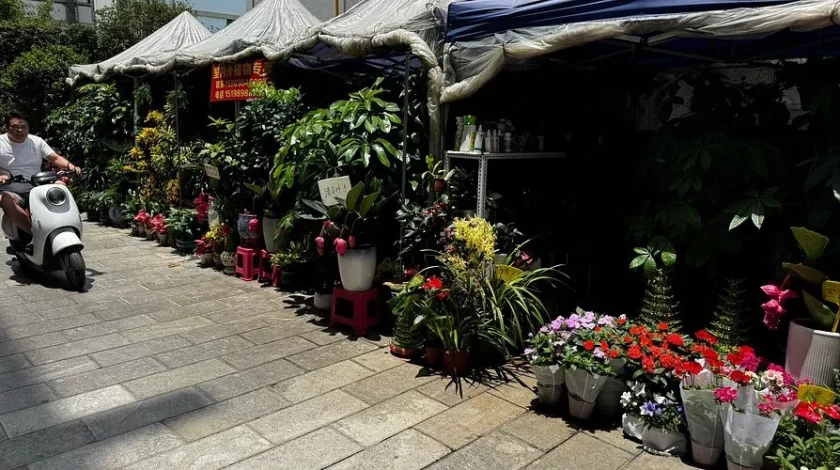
{"points": [[163, 44], [469, 64]]}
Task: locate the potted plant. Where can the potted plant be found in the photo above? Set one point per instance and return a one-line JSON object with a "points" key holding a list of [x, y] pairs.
{"points": [[813, 346], [209, 245], [140, 220], [808, 438], [292, 261], [228, 255], [701, 410], [664, 436], [632, 423], [508, 240], [182, 226], [407, 341], [161, 228], [543, 353], [352, 227], [270, 195], [586, 360], [748, 428]]}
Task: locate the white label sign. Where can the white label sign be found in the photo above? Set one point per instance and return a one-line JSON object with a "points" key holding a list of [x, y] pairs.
{"points": [[334, 188], [212, 171]]}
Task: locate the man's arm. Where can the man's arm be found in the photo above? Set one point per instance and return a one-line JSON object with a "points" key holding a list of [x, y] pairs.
{"points": [[61, 162]]}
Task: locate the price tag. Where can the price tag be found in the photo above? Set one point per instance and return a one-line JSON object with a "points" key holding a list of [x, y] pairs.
{"points": [[821, 395], [334, 188], [831, 292], [212, 171], [508, 273]]}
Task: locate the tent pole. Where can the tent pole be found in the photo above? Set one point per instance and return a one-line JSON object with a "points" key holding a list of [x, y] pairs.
{"points": [[178, 137], [404, 157], [136, 106]]}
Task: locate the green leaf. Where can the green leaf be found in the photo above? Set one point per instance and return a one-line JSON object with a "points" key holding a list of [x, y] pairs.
{"points": [[737, 220], [806, 273], [823, 315], [668, 258], [639, 261], [388, 146], [758, 215], [836, 191], [380, 153], [353, 196], [317, 206], [811, 243], [366, 155], [367, 203]]}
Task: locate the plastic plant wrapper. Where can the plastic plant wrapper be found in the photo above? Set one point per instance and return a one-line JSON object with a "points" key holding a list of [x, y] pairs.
{"points": [[747, 436], [584, 385], [609, 400], [660, 442], [550, 380], [634, 426], [705, 425]]}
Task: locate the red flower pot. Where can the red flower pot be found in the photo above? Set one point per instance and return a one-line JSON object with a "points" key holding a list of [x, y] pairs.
{"points": [[434, 357], [456, 363], [405, 353], [440, 185]]}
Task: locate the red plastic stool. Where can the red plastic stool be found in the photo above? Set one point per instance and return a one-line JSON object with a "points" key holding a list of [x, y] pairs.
{"points": [[246, 260], [363, 311], [265, 271]]}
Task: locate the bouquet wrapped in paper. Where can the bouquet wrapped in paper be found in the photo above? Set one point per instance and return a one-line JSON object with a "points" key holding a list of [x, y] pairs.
{"points": [[583, 387], [703, 419], [748, 429]]}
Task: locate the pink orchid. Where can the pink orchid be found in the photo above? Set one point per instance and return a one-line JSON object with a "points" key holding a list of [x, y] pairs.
{"points": [[774, 308]]}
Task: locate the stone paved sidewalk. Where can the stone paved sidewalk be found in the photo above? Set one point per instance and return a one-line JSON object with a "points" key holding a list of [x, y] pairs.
{"points": [[164, 365]]}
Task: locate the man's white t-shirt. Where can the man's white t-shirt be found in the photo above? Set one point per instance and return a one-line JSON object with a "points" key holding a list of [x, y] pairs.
{"points": [[22, 159]]}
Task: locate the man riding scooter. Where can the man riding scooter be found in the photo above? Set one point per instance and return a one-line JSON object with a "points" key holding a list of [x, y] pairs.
{"points": [[21, 154]]}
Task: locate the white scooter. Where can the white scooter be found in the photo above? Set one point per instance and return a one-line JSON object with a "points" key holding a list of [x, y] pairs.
{"points": [[56, 230]]}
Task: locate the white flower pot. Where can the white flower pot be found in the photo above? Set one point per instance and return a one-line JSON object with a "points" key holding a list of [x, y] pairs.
{"points": [[634, 426], [322, 301], [660, 442], [357, 268], [550, 381], [580, 409], [268, 226], [811, 353], [706, 456]]}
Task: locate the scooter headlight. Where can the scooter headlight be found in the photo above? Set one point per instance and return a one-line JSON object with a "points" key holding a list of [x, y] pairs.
{"points": [[56, 196]]}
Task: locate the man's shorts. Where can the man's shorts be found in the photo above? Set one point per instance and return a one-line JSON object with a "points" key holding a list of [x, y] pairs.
{"points": [[20, 190]]}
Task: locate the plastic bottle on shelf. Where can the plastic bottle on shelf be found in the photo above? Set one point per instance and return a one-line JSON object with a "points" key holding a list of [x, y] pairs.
{"points": [[508, 142], [468, 138], [478, 145]]}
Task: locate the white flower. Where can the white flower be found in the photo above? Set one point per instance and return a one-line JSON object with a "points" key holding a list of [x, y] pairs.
{"points": [[626, 398], [638, 389], [659, 399]]}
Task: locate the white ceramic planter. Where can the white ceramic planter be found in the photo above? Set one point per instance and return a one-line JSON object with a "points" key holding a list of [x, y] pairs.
{"points": [[706, 456], [268, 226], [634, 426], [322, 301], [357, 268], [811, 353], [658, 441], [550, 381]]}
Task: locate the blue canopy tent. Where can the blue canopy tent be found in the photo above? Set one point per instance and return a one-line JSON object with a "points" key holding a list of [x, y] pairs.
{"points": [[484, 35]]}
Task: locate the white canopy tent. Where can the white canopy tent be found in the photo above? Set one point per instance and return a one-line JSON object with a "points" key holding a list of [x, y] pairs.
{"points": [[468, 65], [161, 45]]}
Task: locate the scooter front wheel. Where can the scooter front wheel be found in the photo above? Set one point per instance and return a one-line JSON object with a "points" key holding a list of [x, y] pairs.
{"points": [[73, 265]]}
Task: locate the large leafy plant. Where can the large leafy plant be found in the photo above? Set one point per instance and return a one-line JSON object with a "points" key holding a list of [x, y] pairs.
{"points": [[353, 219]]}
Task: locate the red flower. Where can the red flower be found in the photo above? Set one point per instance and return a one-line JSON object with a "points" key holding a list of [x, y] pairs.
{"points": [[675, 339], [809, 412], [832, 412], [725, 395], [669, 362], [645, 341], [597, 329], [706, 337], [740, 377], [656, 351], [621, 321], [663, 326], [648, 365], [340, 246], [634, 352], [410, 272], [442, 295], [628, 339], [614, 354], [433, 282], [605, 345], [735, 358], [637, 330], [692, 367], [588, 345]]}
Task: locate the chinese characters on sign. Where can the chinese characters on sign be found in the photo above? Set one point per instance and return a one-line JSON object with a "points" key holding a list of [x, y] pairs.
{"points": [[232, 82], [334, 188]]}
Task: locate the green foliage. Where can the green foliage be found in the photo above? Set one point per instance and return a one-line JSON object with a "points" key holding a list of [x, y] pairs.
{"points": [[354, 216], [405, 306], [182, 223], [799, 444], [659, 254], [11, 10], [34, 82], [659, 304], [296, 253], [812, 245], [423, 229], [126, 22], [731, 320]]}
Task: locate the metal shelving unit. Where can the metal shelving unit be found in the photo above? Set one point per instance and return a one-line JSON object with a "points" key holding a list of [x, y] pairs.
{"points": [[483, 159]]}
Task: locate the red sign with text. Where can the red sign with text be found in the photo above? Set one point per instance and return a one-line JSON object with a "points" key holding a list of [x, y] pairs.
{"points": [[232, 82]]}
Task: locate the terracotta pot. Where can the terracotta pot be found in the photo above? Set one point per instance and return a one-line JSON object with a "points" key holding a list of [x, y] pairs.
{"points": [[405, 353], [434, 356], [812, 353], [456, 363]]}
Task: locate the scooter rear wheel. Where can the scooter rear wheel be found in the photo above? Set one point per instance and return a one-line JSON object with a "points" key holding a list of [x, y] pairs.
{"points": [[73, 265]]}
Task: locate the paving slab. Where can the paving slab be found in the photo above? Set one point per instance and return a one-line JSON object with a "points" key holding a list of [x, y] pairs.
{"points": [[390, 383], [248, 357], [221, 330], [203, 351], [379, 360], [388, 418], [22, 450], [75, 348], [105, 376], [615, 437], [496, 451], [176, 312], [408, 450], [470, 420], [247, 380], [519, 390], [321, 381], [48, 326], [116, 452], [31, 343], [324, 336], [311, 452], [583, 451], [165, 329], [226, 414], [138, 350], [25, 397], [273, 333], [107, 327], [331, 353], [15, 362], [214, 452], [43, 373], [647, 461], [306, 417], [181, 377], [65, 410], [539, 430], [451, 391], [144, 412]]}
